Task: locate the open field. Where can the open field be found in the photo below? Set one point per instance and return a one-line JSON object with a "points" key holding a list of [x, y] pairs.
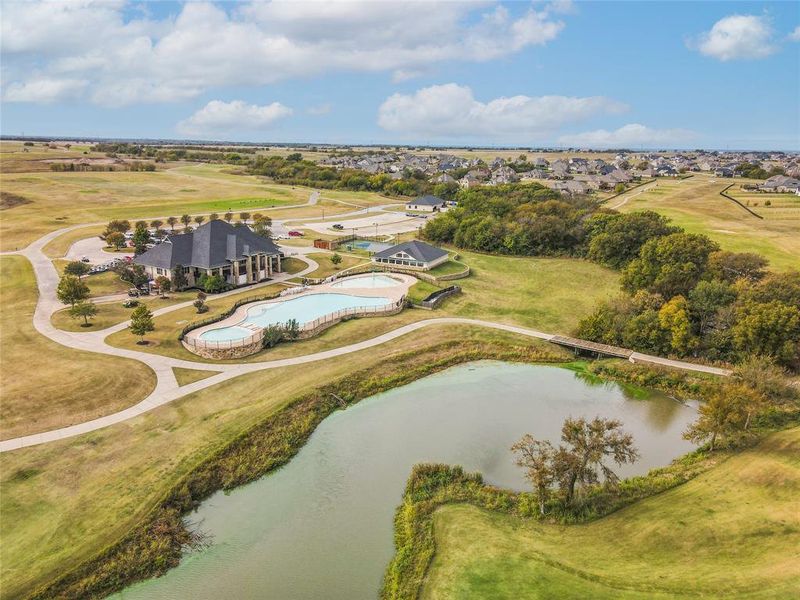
{"points": [[732, 532], [63, 199], [63, 502], [696, 205], [327, 268], [46, 385], [100, 284], [773, 207]]}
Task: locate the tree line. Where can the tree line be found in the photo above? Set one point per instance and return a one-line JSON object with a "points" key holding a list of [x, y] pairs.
{"points": [[681, 294]]}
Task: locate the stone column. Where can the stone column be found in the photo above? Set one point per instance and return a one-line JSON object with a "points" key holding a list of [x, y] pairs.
{"points": [[249, 268], [279, 262]]}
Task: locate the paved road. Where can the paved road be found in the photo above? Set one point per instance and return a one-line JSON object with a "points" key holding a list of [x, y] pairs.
{"points": [[167, 389]]}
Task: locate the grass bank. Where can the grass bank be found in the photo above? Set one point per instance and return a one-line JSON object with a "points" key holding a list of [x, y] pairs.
{"points": [[706, 526], [156, 542]]}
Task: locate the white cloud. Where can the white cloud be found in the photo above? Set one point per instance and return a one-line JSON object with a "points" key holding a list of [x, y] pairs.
{"points": [[630, 135], [319, 109], [451, 111], [795, 35], [738, 37], [128, 59], [44, 90], [226, 118]]}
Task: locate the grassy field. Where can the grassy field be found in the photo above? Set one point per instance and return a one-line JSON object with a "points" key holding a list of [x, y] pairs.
{"points": [[46, 385], [696, 205], [732, 532], [62, 199], [65, 501]]}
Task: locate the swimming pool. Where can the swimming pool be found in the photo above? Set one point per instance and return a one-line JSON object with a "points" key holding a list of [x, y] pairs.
{"points": [[374, 280], [303, 309], [370, 246]]}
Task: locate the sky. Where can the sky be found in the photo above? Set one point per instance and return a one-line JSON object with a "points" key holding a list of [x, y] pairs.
{"points": [[640, 75]]}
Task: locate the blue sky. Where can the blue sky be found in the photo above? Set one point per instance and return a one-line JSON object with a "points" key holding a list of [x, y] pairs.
{"points": [[590, 74]]}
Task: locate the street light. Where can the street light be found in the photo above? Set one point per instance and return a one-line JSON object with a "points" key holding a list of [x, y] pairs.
{"points": [[376, 231]]}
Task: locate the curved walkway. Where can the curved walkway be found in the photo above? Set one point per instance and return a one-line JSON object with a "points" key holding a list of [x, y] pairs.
{"points": [[167, 389]]}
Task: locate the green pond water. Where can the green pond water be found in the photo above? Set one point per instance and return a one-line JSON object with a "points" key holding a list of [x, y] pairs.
{"points": [[321, 527]]}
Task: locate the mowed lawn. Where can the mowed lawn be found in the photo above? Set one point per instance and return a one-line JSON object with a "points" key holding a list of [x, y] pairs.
{"points": [[733, 532], [696, 205], [46, 385]]}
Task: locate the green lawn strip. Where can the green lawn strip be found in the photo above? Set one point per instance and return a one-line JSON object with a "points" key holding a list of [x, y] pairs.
{"points": [[156, 543], [326, 266], [187, 376], [701, 526]]}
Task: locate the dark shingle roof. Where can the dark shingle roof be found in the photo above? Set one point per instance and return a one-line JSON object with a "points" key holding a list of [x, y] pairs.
{"points": [[427, 201], [418, 250], [214, 244]]}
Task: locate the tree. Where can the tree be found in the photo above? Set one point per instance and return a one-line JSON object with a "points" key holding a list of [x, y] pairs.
{"points": [[213, 217], [141, 322], [616, 239], [117, 225], [135, 275], [179, 280], [200, 305], [164, 284], [72, 290], [670, 265], [228, 216], [199, 219], [84, 310], [115, 239], [77, 268], [212, 284], [706, 300], [720, 416], [156, 223], [536, 457], [141, 237], [674, 318], [172, 221], [768, 329], [261, 225], [244, 216], [619, 188], [336, 258], [730, 266], [186, 219], [588, 444]]}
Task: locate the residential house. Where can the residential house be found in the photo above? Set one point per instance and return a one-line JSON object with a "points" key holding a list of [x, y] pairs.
{"points": [[426, 204], [781, 184]]}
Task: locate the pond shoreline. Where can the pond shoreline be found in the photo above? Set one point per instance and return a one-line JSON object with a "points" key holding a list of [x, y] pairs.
{"points": [[157, 543]]}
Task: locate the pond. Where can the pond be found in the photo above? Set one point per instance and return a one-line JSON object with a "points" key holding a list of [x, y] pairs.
{"points": [[321, 527]]}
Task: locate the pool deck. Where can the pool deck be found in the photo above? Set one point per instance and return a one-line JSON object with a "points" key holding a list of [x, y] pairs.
{"points": [[393, 293]]}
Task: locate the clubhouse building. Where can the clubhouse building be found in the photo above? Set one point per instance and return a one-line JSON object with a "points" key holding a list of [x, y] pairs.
{"points": [[411, 255], [236, 254]]}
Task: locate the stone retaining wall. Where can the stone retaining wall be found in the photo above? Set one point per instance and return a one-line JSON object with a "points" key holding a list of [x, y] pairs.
{"points": [[225, 353]]}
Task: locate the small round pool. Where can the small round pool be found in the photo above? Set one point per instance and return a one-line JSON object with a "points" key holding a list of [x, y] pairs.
{"points": [[374, 280]]}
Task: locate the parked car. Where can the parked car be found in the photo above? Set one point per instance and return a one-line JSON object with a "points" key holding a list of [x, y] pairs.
{"points": [[133, 293], [338, 226], [85, 259], [296, 233]]}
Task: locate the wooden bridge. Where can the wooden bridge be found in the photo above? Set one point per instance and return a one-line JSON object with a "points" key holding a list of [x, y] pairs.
{"points": [[592, 347]]}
